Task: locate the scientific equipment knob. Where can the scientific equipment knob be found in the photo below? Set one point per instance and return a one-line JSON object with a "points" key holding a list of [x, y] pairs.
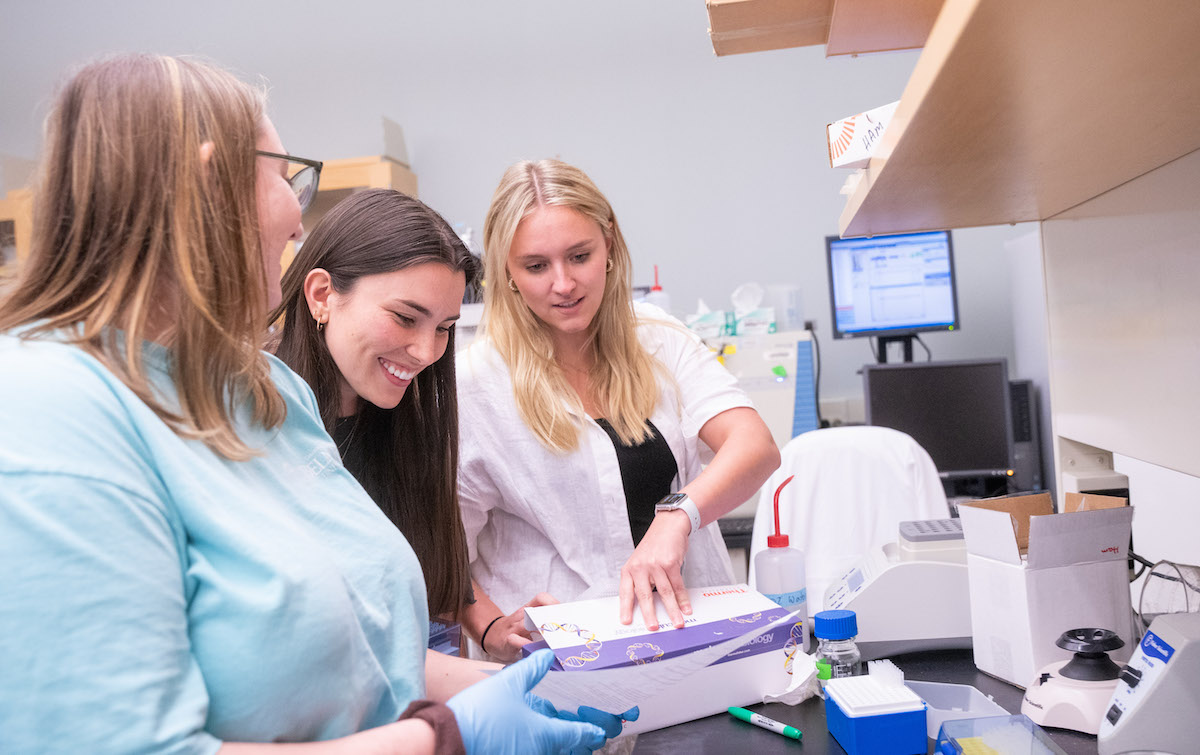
{"points": [[1131, 676]]}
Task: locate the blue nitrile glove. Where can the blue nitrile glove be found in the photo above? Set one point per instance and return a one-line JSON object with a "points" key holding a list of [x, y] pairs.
{"points": [[612, 724], [494, 716]]}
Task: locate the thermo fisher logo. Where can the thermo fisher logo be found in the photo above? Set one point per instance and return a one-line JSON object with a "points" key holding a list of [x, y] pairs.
{"points": [[1154, 647]]}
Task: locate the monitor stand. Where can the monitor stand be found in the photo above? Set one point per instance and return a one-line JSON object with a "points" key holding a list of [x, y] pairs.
{"points": [[883, 347]]}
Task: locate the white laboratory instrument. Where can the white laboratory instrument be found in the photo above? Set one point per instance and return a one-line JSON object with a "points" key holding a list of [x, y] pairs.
{"points": [[776, 371], [912, 594], [1074, 694], [1156, 706]]}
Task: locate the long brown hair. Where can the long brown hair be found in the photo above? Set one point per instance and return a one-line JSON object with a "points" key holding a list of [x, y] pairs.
{"points": [[137, 236], [623, 372], [406, 458]]}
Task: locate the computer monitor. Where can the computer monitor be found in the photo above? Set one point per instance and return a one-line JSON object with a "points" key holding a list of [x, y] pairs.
{"points": [[958, 412], [892, 286]]}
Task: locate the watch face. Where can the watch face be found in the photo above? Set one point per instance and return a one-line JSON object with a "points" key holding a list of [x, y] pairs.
{"points": [[671, 500]]}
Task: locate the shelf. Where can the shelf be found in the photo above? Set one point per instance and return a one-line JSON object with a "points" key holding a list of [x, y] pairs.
{"points": [[341, 178], [845, 27], [862, 26], [740, 26], [1018, 110], [16, 215], [380, 172]]}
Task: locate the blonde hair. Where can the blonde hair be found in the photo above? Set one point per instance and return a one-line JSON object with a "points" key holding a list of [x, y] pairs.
{"points": [[622, 376], [137, 236]]}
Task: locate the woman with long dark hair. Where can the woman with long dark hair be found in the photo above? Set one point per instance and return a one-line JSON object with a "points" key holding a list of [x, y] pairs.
{"points": [[369, 305]]}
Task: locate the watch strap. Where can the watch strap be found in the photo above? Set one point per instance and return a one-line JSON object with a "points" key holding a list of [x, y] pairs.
{"points": [[687, 506]]}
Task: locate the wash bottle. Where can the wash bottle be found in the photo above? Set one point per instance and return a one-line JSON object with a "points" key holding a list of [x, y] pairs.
{"points": [[779, 573]]}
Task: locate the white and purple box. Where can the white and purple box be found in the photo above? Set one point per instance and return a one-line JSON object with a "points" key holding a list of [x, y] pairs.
{"points": [[586, 636]]}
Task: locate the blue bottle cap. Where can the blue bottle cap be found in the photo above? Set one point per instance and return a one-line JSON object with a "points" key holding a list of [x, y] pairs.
{"points": [[835, 625]]}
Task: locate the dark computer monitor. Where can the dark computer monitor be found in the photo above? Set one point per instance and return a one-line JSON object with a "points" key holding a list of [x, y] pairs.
{"points": [[892, 286], [958, 412]]}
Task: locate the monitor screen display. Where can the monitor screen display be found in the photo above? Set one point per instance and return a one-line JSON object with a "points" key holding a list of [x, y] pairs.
{"points": [[892, 285], [957, 411]]}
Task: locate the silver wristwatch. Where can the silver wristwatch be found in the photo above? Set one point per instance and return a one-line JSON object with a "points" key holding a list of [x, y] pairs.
{"points": [[681, 502]]}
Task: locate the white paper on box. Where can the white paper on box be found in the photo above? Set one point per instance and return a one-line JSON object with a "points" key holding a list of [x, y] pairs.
{"points": [[733, 650], [599, 616], [619, 688], [852, 141]]}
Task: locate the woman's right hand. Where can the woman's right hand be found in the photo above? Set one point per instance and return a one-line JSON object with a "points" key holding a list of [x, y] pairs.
{"points": [[494, 715], [508, 634]]}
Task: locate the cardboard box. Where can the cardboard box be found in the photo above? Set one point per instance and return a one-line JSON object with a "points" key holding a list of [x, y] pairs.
{"points": [[586, 636], [853, 140], [738, 26], [1034, 574]]}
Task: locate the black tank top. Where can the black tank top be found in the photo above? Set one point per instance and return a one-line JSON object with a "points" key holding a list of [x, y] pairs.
{"points": [[647, 471]]}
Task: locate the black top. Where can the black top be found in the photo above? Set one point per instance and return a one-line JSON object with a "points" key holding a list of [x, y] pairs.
{"points": [[343, 428], [343, 432], [647, 471]]}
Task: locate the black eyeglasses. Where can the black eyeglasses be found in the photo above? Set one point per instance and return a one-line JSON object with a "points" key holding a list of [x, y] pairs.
{"points": [[304, 181]]}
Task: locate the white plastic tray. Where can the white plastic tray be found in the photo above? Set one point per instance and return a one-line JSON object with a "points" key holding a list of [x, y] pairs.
{"points": [[952, 701]]}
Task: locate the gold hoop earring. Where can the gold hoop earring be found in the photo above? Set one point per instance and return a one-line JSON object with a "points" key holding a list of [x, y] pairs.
{"points": [[320, 325], [608, 266], [512, 285]]}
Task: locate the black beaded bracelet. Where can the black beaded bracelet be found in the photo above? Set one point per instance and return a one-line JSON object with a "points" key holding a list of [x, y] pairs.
{"points": [[484, 635]]}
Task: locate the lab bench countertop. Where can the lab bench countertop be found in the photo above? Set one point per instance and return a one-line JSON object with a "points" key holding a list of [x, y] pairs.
{"points": [[725, 734]]}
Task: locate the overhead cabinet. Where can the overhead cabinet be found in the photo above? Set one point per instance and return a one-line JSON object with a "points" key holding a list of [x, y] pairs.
{"points": [[1019, 110]]}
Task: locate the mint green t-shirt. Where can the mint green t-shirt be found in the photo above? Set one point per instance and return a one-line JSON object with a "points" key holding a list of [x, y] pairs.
{"points": [[157, 597]]}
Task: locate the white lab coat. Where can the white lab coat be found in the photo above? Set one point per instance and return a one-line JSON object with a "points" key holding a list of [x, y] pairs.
{"points": [[540, 521]]}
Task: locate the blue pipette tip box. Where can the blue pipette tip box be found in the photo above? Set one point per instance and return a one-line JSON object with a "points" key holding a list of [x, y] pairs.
{"points": [[870, 717]]}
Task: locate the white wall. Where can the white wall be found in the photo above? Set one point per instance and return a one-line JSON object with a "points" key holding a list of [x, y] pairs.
{"points": [[716, 166], [1121, 273]]}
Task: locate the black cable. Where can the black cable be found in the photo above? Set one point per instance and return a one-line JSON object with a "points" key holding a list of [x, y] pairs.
{"points": [[1168, 577], [928, 353], [1140, 560], [817, 372], [871, 346]]}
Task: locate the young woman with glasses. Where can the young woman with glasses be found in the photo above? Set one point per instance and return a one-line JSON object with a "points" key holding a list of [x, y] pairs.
{"points": [[185, 564]]}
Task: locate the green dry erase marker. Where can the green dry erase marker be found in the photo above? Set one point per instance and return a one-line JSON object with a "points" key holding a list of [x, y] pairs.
{"points": [[770, 724]]}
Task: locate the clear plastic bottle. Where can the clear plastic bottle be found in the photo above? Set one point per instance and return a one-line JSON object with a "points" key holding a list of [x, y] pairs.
{"points": [[779, 575], [837, 653]]}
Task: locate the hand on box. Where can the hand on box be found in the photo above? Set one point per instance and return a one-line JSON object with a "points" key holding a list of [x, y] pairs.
{"points": [[656, 564], [504, 639]]}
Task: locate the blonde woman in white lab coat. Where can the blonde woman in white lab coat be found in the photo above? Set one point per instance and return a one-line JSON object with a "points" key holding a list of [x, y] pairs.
{"points": [[580, 411]]}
